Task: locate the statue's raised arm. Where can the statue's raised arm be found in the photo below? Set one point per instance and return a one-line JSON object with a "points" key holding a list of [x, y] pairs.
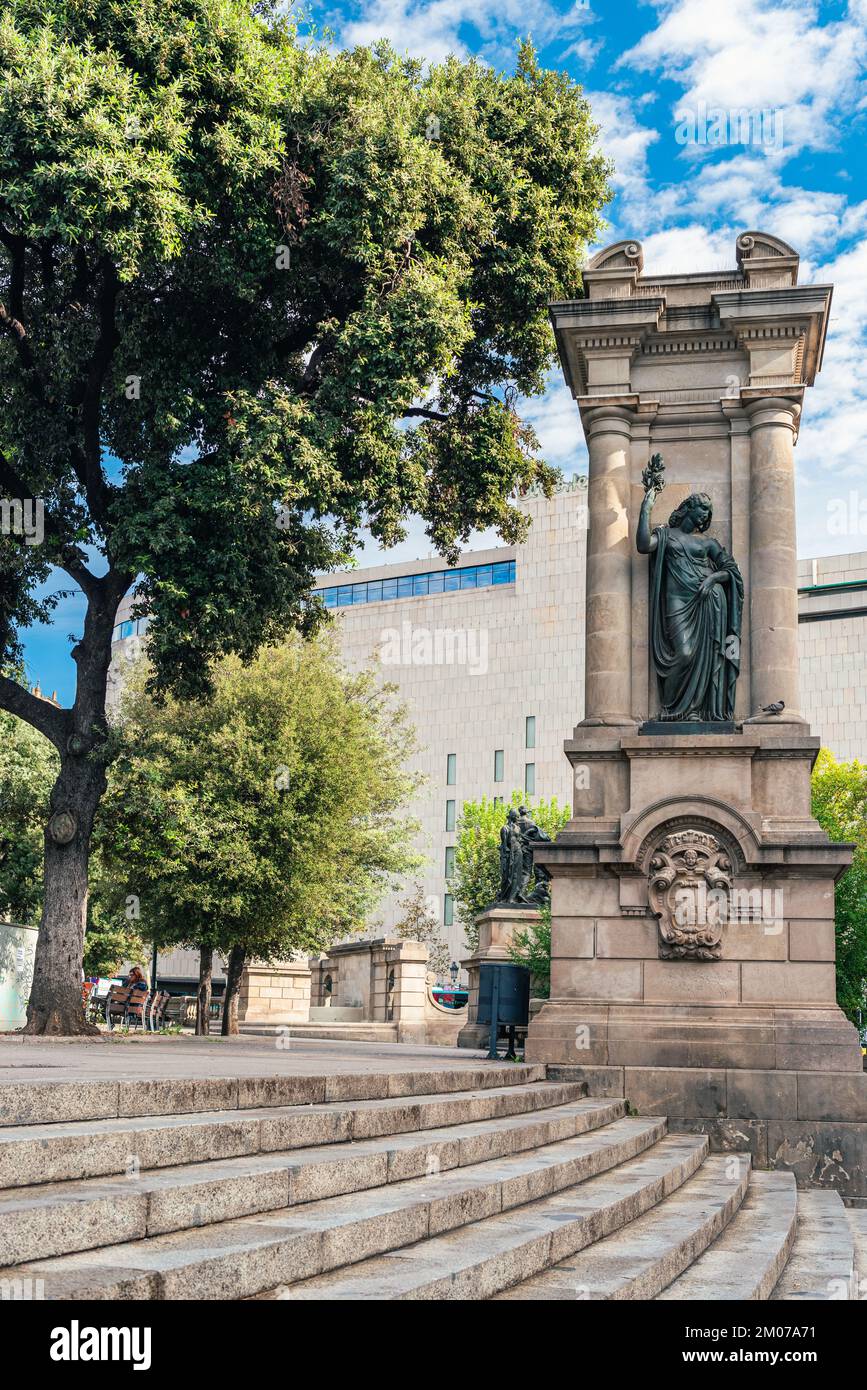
{"points": [[654, 482]]}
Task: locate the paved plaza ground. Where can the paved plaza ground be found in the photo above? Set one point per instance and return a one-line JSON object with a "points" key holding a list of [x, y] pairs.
{"points": [[139, 1058]]}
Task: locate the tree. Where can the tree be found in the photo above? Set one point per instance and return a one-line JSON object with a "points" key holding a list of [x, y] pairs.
{"points": [[266, 820], [419, 923], [235, 265], [28, 768], [840, 806], [531, 946], [477, 853]]}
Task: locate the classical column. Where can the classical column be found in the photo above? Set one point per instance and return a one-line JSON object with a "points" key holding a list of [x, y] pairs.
{"points": [[773, 588], [608, 683]]}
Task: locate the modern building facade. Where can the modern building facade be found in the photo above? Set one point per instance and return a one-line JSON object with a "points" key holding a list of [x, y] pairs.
{"points": [[832, 631], [489, 658]]}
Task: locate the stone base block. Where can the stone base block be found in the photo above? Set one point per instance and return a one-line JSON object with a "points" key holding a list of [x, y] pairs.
{"points": [[598, 1033], [810, 1123], [274, 995]]}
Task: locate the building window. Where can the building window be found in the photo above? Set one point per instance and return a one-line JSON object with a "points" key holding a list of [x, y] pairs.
{"points": [[130, 628], [448, 910], [530, 778], [530, 731], [450, 861], [413, 585], [498, 801], [499, 760], [450, 815], [451, 769]]}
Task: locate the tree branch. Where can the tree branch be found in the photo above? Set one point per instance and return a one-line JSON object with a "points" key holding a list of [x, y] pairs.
{"points": [[69, 558], [16, 328], [88, 463], [16, 246], [425, 413], [295, 341], [39, 714]]}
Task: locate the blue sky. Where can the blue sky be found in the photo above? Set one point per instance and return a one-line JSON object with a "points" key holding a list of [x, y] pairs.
{"points": [[658, 74]]}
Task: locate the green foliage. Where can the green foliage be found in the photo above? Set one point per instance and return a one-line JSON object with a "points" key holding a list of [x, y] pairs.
{"points": [[110, 939], [269, 817], [477, 852], [235, 260], [28, 768], [531, 945], [419, 923], [840, 806]]}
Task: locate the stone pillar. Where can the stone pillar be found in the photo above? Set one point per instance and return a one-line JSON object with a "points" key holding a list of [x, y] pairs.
{"points": [[272, 996], [608, 692], [497, 926], [773, 594], [400, 986]]}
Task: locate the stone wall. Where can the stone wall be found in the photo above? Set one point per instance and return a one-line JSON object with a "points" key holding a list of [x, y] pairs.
{"points": [[274, 995]]}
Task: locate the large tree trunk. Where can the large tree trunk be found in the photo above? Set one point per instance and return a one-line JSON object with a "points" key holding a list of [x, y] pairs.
{"points": [[79, 735], [203, 999], [55, 997], [235, 970]]}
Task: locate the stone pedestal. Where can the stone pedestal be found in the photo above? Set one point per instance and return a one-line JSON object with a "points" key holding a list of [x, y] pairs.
{"points": [[768, 998], [497, 926], [692, 892], [274, 996]]}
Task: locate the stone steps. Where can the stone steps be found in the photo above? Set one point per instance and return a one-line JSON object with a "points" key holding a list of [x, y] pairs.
{"points": [[464, 1183], [639, 1261], [857, 1218], [822, 1262], [746, 1261], [246, 1256], [480, 1260], [103, 1147], [61, 1218], [56, 1102]]}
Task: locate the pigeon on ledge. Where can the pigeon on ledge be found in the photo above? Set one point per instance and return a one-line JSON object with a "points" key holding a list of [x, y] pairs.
{"points": [[776, 708]]}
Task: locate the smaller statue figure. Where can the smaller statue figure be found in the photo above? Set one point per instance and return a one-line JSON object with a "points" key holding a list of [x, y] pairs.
{"points": [[517, 838], [532, 834], [511, 861]]}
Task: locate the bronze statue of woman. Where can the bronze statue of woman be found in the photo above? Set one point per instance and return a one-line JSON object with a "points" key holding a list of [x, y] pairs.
{"points": [[696, 600]]}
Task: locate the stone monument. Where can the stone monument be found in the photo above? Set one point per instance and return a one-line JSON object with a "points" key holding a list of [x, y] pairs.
{"points": [[516, 906], [692, 891]]}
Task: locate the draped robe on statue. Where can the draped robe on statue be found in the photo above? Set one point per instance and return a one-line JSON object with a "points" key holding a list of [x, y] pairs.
{"points": [[690, 629]]}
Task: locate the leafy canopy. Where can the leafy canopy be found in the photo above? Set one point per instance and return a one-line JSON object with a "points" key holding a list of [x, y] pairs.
{"points": [[239, 272], [839, 792]]}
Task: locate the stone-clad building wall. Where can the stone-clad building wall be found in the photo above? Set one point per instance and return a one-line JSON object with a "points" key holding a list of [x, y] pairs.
{"points": [[521, 658]]}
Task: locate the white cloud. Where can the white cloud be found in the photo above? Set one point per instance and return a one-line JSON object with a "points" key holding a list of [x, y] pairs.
{"points": [[555, 419], [583, 51], [758, 54], [623, 139], [689, 249], [430, 29]]}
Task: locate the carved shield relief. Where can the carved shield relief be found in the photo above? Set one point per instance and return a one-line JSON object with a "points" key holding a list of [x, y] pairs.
{"points": [[689, 887]]}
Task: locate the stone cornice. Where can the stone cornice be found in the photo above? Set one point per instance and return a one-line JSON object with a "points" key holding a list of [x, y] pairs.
{"points": [[792, 312], [611, 327]]}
